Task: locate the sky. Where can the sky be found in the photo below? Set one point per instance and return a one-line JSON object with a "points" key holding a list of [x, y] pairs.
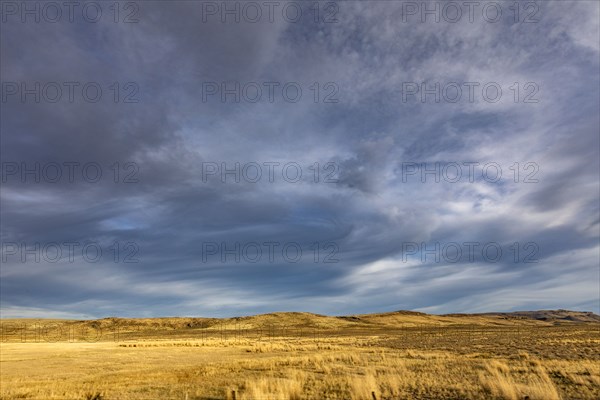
{"points": [[216, 159]]}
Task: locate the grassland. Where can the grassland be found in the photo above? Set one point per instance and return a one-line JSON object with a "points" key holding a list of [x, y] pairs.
{"points": [[400, 355]]}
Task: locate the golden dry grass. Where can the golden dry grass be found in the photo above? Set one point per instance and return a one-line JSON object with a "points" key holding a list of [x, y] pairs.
{"points": [[322, 358]]}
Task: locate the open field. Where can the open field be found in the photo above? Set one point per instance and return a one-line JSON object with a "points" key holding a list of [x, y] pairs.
{"points": [[401, 355]]}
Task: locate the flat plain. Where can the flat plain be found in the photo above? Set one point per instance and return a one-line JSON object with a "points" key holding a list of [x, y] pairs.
{"points": [[545, 355]]}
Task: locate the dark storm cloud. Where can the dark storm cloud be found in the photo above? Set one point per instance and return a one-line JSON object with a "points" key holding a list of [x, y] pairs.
{"points": [[171, 209]]}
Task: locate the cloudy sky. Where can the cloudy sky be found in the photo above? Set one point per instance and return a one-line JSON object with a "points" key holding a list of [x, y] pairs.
{"points": [[161, 158]]}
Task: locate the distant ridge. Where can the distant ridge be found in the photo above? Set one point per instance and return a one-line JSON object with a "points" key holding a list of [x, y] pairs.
{"points": [[552, 315], [385, 319]]}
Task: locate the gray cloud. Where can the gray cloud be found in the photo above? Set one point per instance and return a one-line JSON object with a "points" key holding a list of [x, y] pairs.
{"points": [[364, 204]]}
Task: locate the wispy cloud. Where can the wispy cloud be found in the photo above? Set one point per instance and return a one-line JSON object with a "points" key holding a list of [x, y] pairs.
{"points": [[357, 127]]}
